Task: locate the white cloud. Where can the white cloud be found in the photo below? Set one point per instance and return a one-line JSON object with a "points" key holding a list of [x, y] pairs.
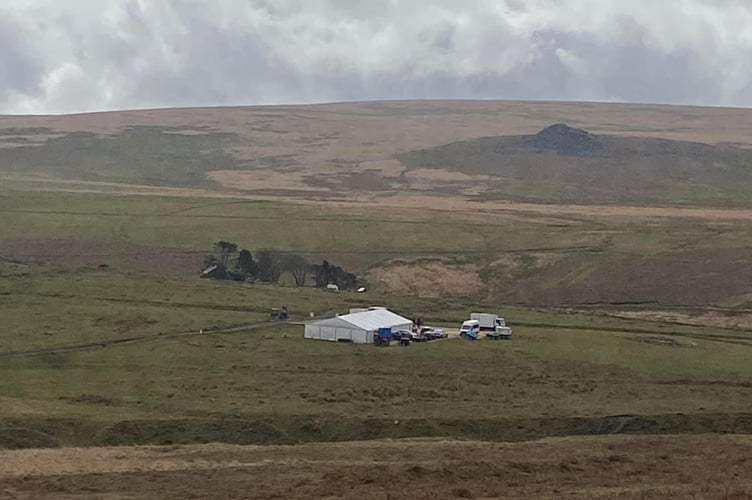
{"points": [[113, 54]]}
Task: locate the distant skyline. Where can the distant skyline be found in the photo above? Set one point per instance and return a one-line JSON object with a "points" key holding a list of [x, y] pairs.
{"points": [[98, 55]]}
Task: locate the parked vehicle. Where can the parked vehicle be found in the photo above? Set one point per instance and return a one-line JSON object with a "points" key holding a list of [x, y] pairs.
{"points": [[420, 337], [502, 332], [383, 337], [470, 329], [402, 334], [493, 325], [432, 333], [488, 321]]}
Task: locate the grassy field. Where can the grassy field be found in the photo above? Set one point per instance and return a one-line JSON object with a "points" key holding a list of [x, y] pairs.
{"points": [[57, 380], [509, 258], [630, 353], [572, 361], [196, 224]]}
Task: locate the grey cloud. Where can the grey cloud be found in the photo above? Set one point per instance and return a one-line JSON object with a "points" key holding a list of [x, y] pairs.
{"points": [[631, 70], [288, 51], [20, 71], [213, 66], [363, 9], [441, 37], [744, 96]]}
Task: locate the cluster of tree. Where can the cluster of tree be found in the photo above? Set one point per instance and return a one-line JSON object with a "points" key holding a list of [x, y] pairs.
{"points": [[326, 274], [227, 263]]}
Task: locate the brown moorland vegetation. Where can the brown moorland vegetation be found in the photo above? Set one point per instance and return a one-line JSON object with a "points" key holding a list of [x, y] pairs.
{"points": [[624, 467]]}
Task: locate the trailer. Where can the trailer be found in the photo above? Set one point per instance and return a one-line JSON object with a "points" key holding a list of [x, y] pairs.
{"points": [[493, 325]]}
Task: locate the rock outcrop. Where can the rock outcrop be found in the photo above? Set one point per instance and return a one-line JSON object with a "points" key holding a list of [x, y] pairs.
{"points": [[565, 140]]}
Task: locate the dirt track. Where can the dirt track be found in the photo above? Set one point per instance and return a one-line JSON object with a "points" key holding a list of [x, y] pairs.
{"points": [[602, 467]]}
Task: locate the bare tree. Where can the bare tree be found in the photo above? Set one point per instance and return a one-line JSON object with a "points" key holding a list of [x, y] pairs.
{"points": [[269, 266], [298, 267], [226, 250]]}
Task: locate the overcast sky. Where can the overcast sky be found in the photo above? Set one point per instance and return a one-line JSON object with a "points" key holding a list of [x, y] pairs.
{"points": [[83, 55]]}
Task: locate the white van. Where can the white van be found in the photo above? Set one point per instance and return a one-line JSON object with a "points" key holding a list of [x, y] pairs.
{"points": [[470, 329]]}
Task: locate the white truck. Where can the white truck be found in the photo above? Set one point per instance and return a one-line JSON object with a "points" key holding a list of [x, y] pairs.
{"points": [[492, 325]]}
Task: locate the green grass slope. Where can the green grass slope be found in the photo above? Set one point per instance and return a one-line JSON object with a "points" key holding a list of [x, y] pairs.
{"points": [[162, 156], [526, 259], [622, 170], [561, 373]]}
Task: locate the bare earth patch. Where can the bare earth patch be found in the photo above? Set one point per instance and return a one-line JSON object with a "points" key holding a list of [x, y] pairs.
{"points": [[357, 178], [439, 180], [24, 140], [428, 278], [441, 175], [187, 132], [262, 179]]}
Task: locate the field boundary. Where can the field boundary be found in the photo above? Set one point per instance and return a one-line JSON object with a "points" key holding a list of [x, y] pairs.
{"points": [[88, 346], [731, 339], [16, 433]]}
